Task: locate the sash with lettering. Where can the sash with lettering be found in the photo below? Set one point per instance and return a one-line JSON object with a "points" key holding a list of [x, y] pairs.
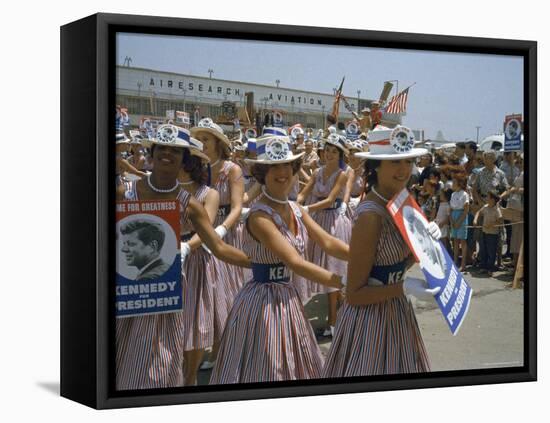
{"points": [[439, 269], [148, 258]]}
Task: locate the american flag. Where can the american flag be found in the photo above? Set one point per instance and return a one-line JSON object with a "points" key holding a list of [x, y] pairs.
{"points": [[398, 103]]}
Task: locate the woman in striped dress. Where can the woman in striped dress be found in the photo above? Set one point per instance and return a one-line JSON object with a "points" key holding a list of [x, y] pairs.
{"points": [[200, 316], [376, 330], [149, 348], [328, 185], [357, 180], [227, 179], [267, 336]]}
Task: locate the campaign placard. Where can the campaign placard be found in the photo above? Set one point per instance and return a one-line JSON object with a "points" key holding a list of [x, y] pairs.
{"points": [[512, 132], [437, 265], [148, 258], [183, 118]]}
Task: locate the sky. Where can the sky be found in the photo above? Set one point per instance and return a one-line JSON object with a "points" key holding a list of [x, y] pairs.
{"points": [[453, 92]]}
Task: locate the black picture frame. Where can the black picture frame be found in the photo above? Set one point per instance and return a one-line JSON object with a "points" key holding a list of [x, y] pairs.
{"points": [[87, 208]]}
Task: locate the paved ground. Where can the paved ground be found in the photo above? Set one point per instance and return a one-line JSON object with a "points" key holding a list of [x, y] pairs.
{"points": [[491, 336]]}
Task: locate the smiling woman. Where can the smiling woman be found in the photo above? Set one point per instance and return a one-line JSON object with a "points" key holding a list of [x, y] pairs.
{"points": [[267, 324], [149, 348]]}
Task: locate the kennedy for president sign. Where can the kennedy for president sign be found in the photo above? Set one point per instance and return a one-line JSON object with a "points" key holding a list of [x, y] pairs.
{"points": [[148, 265], [512, 132], [438, 267]]}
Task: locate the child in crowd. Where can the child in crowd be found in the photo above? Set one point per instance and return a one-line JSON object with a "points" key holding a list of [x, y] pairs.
{"points": [[460, 204], [443, 217], [429, 207], [492, 216]]}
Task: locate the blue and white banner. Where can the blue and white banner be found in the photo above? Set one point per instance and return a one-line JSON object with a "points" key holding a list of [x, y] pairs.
{"points": [[437, 265]]}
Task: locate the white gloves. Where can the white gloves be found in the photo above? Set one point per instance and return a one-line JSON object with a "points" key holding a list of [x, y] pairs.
{"points": [[221, 231], [344, 280], [342, 209], [306, 209], [185, 250], [374, 282], [354, 201], [205, 248], [434, 230], [419, 289], [244, 213]]}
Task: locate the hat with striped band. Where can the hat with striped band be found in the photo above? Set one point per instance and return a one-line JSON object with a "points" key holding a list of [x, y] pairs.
{"points": [[278, 132], [207, 125], [354, 145], [121, 138], [196, 148], [169, 135], [337, 141], [391, 144], [273, 150], [175, 136]]}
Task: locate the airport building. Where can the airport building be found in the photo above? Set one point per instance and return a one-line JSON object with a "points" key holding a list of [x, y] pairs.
{"points": [[151, 93]]}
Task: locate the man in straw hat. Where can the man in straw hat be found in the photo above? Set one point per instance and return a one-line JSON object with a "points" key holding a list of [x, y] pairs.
{"points": [[268, 311], [149, 349], [376, 327]]}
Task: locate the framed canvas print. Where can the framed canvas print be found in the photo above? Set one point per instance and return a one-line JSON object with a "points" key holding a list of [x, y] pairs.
{"points": [[268, 211]]}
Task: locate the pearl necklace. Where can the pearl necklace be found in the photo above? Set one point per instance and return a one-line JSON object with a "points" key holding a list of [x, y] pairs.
{"points": [[378, 195], [159, 190], [275, 200]]}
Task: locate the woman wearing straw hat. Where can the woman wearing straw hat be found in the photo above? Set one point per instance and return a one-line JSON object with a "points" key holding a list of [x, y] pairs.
{"points": [[357, 180], [203, 325], [137, 158], [328, 184], [149, 349], [267, 336], [376, 330], [125, 172], [227, 179]]}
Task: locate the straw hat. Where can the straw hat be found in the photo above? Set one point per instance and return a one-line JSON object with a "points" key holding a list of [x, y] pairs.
{"points": [[272, 149], [121, 138], [391, 144], [278, 132], [337, 141], [175, 136], [208, 125], [296, 131]]}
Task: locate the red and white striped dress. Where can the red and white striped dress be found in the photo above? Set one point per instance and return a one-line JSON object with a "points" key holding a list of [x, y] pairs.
{"points": [[227, 274], [267, 336], [381, 338], [202, 325], [337, 225], [149, 349]]}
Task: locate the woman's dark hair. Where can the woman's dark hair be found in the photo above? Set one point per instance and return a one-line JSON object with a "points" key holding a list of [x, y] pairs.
{"points": [[194, 166], [371, 176], [434, 172], [259, 170], [472, 146], [447, 193]]}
